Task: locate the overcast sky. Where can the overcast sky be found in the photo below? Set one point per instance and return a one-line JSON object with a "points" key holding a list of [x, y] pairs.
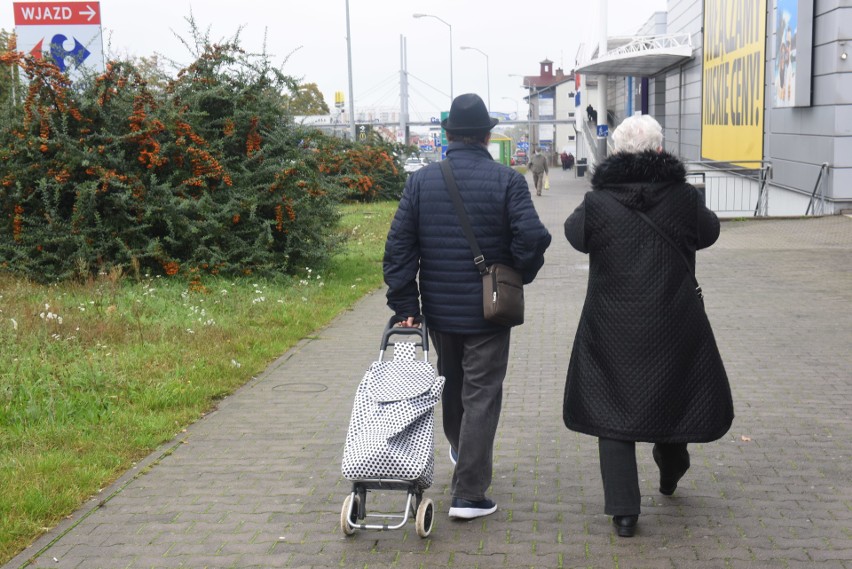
{"points": [[515, 35]]}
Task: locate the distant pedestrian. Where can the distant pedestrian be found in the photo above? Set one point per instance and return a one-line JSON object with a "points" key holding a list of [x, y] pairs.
{"points": [[592, 114], [567, 160], [538, 167], [428, 261], [644, 366]]}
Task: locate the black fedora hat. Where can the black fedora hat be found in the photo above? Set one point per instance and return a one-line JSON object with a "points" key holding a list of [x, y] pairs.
{"points": [[468, 115]]}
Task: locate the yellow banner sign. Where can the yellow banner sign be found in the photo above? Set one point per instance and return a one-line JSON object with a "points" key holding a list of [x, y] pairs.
{"points": [[732, 103]]}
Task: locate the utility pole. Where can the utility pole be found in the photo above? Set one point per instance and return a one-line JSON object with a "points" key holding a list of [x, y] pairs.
{"points": [[602, 126], [351, 93], [403, 88]]}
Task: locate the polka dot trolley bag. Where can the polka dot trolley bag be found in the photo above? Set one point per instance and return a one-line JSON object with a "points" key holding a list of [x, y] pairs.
{"points": [[391, 432]]}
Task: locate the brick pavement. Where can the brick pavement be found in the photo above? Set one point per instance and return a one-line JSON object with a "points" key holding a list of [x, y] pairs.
{"points": [[257, 483]]}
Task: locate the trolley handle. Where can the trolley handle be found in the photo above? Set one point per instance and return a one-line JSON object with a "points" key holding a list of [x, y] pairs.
{"points": [[391, 329]]}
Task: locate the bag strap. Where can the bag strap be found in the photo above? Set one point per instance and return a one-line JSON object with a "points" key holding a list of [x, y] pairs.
{"points": [[642, 215], [453, 189]]}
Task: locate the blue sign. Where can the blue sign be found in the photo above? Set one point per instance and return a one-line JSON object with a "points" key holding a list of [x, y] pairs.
{"points": [[524, 145], [427, 147], [60, 55], [444, 141], [603, 130]]}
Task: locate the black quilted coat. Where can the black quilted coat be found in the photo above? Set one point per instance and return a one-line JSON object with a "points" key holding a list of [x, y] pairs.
{"points": [[645, 366], [426, 245]]}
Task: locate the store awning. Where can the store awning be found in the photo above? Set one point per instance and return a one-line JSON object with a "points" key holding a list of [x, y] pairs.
{"points": [[641, 57]]}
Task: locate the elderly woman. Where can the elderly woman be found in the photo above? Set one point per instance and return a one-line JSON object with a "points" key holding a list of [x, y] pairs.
{"points": [[645, 366]]}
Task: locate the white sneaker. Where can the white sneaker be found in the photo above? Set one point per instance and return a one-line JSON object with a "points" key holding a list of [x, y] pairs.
{"points": [[467, 510]]}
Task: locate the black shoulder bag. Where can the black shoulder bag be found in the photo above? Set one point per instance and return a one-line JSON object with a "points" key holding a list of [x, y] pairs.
{"points": [[502, 286], [668, 239]]}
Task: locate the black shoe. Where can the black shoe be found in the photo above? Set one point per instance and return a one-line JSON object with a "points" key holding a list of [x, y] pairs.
{"points": [[668, 487], [467, 510], [668, 484], [625, 526]]}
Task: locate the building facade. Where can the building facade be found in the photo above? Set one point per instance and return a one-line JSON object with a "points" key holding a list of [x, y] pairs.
{"points": [[766, 86], [551, 101]]}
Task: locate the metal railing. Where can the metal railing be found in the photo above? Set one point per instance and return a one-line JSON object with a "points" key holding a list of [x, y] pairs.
{"points": [[733, 188], [817, 200]]}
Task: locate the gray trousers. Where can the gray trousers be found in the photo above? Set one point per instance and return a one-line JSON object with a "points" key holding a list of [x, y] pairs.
{"points": [[474, 366], [538, 182], [621, 478]]}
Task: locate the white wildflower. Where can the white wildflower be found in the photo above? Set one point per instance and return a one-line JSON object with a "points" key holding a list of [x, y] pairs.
{"points": [[235, 363], [14, 324]]}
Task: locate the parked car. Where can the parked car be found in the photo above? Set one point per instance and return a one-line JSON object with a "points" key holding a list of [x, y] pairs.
{"points": [[520, 158], [413, 164]]}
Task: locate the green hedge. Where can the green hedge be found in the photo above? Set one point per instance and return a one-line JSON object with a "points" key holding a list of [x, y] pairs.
{"points": [[204, 175]]}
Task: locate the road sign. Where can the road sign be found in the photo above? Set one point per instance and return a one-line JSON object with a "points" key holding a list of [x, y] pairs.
{"points": [[69, 33], [444, 141], [363, 132], [524, 145], [603, 130]]}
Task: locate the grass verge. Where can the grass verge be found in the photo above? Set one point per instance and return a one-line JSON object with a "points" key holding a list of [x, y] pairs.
{"points": [[95, 376]]}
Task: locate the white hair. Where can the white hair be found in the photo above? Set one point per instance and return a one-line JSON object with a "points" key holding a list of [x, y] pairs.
{"points": [[637, 134]]}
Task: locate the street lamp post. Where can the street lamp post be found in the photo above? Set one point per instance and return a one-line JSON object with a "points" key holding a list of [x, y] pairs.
{"points": [[451, 47], [487, 72], [351, 93], [516, 104]]}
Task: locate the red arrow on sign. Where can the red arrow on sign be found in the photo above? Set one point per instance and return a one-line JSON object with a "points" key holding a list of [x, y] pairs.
{"points": [[57, 13]]}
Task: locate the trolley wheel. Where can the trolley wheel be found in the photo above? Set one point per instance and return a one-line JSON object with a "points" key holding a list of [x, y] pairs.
{"points": [[347, 521], [425, 517]]}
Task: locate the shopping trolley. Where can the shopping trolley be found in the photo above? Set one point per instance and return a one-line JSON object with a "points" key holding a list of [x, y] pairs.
{"points": [[390, 442]]}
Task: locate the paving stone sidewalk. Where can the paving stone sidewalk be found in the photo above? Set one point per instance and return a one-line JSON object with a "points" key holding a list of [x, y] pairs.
{"points": [[257, 483]]}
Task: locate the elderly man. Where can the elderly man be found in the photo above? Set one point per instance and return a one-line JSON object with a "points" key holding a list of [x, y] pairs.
{"points": [[428, 261]]}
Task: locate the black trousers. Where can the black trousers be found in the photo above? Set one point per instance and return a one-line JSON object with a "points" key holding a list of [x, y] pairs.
{"points": [[621, 477], [474, 366]]}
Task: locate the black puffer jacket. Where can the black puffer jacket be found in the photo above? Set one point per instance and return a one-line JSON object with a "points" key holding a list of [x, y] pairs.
{"points": [[426, 236], [645, 366]]}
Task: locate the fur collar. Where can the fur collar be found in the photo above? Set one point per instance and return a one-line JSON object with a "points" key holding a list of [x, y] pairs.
{"points": [[640, 180], [641, 168]]}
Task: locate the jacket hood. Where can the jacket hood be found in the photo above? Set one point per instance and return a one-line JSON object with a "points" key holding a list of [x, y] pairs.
{"points": [[639, 180]]}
